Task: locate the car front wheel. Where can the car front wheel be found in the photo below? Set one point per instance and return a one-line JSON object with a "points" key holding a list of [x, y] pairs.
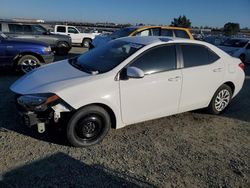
{"points": [[27, 63], [88, 126], [220, 100]]}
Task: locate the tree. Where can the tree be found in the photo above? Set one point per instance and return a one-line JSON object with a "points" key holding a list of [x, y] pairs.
{"points": [[182, 21], [231, 28]]}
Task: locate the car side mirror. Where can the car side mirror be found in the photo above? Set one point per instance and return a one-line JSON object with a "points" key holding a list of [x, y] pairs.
{"points": [[134, 72]]}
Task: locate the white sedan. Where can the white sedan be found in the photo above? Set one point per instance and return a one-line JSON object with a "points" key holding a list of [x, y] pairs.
{"points": [[129, 80]]}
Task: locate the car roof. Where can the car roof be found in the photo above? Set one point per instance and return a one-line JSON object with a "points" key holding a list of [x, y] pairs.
{"points": [[155, 26], [146, 40]]}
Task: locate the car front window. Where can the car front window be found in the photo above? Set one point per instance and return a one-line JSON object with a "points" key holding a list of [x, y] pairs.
{"points": [[105, 58]]}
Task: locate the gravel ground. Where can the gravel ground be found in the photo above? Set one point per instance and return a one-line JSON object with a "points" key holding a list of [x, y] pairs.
{"points": [[187, 150]]}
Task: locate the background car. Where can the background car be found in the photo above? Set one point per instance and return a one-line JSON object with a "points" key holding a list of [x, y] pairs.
{"points": [[143, 31], [237, 47], [126, 81], [61, 44], [23, 55]]}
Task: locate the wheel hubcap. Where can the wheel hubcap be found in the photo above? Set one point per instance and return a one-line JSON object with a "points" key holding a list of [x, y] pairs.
{"points": [[222, 100], [28, 65], [89, 127]]}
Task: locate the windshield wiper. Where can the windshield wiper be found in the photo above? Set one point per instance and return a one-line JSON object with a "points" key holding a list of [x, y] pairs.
{"points": [[74, 63]]}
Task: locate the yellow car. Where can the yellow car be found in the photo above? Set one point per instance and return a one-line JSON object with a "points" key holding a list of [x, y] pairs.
{"points": [[143, 31], [160, 31]]}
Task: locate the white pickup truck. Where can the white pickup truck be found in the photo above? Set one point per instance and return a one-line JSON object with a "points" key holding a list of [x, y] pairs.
{"points": [[77, 37]]}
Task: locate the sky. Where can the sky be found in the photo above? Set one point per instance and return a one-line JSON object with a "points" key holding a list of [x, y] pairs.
{"points": [[213, 13]]}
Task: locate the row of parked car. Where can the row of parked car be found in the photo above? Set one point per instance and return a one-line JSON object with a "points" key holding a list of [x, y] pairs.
{"points": [[26, 46]]}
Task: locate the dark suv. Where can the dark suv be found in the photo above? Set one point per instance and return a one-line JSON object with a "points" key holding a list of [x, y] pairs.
{"points": [[22, 54], [61, 44]]}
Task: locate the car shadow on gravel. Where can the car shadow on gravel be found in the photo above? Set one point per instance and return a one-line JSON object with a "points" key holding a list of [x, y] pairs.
{"points": [[61, 170]]}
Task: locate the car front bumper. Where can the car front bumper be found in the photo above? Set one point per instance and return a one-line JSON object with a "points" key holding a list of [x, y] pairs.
{"points": [[48, 58]]}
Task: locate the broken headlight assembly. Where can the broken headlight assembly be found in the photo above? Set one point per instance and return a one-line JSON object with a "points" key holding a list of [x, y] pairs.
{"points": [[37, 102]]}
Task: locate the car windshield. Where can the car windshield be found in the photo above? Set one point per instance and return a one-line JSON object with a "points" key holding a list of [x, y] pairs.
{"points": [[105, 58], [39, 29], [234, 43], [121, 33]]}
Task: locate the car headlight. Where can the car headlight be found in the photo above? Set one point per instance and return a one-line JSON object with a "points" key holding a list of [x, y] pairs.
{"points": [[37, 102], [47, 49]]}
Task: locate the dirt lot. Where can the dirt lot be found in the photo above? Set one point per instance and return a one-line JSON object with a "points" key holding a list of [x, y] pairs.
{"points": [[187, 150]]}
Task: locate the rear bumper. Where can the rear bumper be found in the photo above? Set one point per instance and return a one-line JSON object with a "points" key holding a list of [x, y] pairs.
{"points": [[48, 58]]}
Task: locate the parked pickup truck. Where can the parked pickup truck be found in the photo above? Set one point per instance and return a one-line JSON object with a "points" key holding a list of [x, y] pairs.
{"points": [[22, 54], [77, 37]]}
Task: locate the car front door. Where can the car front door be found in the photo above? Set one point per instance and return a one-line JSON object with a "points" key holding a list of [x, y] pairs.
{"points": [[157, 93], [203, 74], [74, 34]]}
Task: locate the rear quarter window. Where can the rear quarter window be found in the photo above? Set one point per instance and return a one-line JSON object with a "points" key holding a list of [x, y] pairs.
{"points": [[197, 55], [15, 28]]}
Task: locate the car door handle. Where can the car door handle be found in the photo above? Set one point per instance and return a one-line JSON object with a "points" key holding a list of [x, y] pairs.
{"points": [[174, 79], [217, 70]]}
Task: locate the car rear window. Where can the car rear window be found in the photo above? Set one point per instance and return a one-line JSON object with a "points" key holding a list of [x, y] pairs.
{"points": [[181, 34], [61, 29]]}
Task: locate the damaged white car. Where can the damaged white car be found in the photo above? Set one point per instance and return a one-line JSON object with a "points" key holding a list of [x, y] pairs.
{"points": [[129, 80]]}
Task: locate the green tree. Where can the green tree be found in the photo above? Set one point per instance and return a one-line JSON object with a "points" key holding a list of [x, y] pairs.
{"points": [[181, 21], [231, 28]]}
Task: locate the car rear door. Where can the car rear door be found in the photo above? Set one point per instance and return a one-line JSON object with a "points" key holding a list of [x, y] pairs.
{"points": [[157, 93], [203, 72]]}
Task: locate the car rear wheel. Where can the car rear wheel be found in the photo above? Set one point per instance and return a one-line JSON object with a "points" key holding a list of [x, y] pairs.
{"points": [[86, 43], [62, 48], [220, 100], [27, 63], [88, 126]]}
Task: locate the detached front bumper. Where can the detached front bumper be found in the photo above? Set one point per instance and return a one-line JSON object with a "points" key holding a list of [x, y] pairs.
{"points": [[49, 58]]}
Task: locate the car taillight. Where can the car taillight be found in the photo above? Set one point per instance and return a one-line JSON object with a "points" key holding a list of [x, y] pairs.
{"points": [[242, 66]]}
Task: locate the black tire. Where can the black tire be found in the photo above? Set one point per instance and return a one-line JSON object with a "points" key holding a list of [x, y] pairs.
{"points": [[27, 63], [88, 126], [225, 93], [86, 43], [62, 48], [243, 58]]}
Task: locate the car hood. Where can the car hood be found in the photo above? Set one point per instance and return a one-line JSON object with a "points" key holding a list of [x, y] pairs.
{"points": [[49, 79]]}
